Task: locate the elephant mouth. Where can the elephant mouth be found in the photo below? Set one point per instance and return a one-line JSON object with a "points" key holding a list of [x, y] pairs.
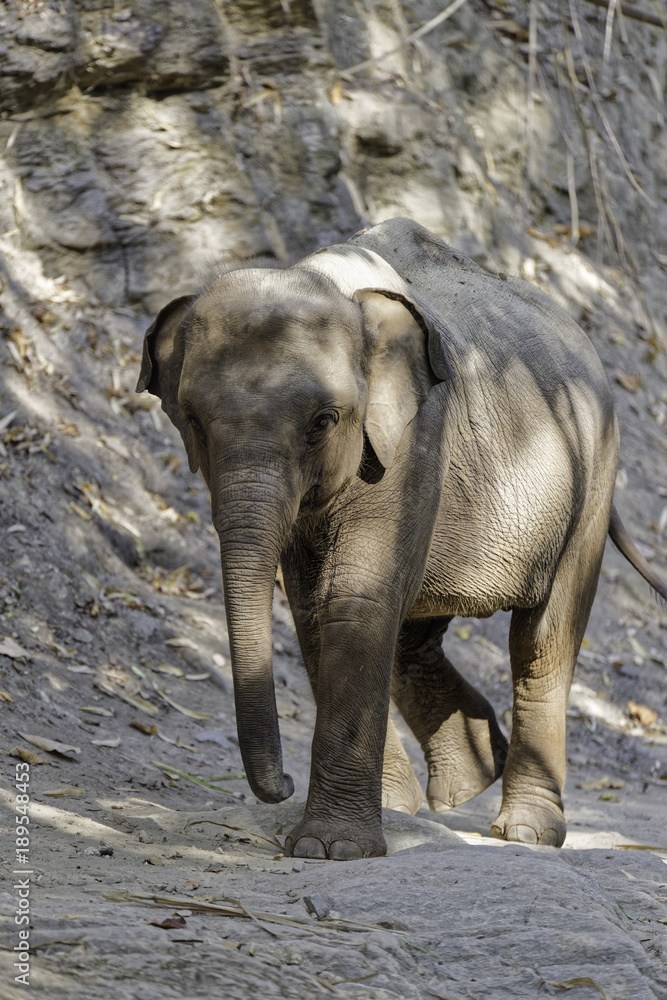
{"points": [[312, 497], [317, 499]]}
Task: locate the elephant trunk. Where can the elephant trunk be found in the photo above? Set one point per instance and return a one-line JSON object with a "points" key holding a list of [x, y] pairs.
{"points": [[252, 520]]}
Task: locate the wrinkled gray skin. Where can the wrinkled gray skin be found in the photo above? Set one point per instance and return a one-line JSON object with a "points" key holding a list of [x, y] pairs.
{"points": [[411, 438]]}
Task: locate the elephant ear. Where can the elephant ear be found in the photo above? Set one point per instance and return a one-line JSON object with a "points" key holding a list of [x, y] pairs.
{"points": [[161, 366], [407, 360]]}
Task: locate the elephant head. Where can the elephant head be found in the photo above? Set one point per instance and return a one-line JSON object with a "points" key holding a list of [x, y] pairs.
{"points": [[285, 385]]}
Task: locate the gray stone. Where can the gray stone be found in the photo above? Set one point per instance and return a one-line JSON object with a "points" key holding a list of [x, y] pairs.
{"points": [[318, 905]]}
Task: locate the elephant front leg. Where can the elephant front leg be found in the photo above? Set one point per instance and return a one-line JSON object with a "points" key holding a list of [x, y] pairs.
{"points": [[456, 726], [400, 786], [343, 815]]}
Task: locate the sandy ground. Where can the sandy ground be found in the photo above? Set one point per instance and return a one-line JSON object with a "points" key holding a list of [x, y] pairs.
{"points": [[118, 845]]}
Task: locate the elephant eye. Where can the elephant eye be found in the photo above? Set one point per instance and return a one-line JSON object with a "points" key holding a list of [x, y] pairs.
{"points": [[196, 425], [320, 425]]}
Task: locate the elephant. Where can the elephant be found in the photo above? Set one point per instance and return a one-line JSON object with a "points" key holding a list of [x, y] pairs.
{"points": [[411, 438]]}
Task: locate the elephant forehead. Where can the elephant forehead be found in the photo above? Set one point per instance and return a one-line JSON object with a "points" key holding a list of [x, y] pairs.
{"points": [[240, 316], [253, 368]]}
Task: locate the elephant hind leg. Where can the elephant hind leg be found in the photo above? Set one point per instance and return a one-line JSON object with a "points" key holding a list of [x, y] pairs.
{"points": [[400, 786], [456, 726], [544, 644]]}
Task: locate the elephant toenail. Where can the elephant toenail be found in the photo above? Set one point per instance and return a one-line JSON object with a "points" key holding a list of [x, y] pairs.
{"points": [[551, 838], [464, 795], [344, 850], [521, 834], [309, 847]]}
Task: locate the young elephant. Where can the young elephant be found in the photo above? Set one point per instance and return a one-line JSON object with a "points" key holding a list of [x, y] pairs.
{"points": [[412, 438]]}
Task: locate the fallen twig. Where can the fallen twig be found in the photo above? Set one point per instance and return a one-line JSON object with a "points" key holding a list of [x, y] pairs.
{"points": [[189, 777], [237, 829], [237, 910]]}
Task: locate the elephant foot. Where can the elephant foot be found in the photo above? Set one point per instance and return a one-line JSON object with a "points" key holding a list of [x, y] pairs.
{"points": [[401, 791], [464, 757], [400, 788], [335, 840], [539, 822]]}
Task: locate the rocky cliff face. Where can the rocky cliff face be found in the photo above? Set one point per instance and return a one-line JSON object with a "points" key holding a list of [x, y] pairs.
{"points": [[144, 141]]}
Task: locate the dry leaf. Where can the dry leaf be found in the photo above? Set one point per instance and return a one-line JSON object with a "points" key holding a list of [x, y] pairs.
{"points": [[191, 885], [190, 712], [115, 444], [65, 792], [176, 742], [463, 631], [83, 514], [148, 730], [600, 783], [539, 235], [5, 696], [584, 230], [197, 677], [182, 642], [10, 648], [154, 860], [166, 668], [96, 710], [640, 847], [336, 94], [6, 421], [134, 700], [630, 382], [92, 582], [52, 746], [569, 984], [644, 715], [637, 646], [109, 741], [170, 923], [66, 654], [68, 428], [510, 27], [28, 756]]}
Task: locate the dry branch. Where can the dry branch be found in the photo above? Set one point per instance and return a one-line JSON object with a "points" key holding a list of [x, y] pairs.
{"points": [[419, 33], [632, 12], [600, 110]]}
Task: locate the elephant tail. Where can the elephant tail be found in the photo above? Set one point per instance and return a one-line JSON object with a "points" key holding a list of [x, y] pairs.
{"points": [[623, 542]]}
